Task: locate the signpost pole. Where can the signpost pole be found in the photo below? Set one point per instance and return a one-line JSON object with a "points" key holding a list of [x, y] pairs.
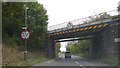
{"points": [[25, 34], [25, 51]]}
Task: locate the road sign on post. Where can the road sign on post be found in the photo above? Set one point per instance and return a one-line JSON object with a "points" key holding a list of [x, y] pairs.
{"points": [[25, 34]]}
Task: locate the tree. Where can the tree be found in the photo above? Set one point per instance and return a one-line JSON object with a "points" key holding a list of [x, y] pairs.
{"points": [[38, 25], [14, 18], [81, 47], [57, 48], [73, 47], [102, 16], [99, 17]]}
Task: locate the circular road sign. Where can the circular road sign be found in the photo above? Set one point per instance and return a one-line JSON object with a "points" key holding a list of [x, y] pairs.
{"points": [[69, 25], [25, 34]]}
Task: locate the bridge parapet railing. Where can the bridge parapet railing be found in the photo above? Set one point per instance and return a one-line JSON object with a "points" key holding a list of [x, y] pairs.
{"points": [[90, 20]]}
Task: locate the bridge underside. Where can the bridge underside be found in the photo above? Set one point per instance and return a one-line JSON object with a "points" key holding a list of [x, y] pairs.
{"points": [[102, 43]]}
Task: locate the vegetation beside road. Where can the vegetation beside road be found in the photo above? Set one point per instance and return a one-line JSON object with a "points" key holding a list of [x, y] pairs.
{"points": [[57, 48], [80, 48], [14, 57], [13, 18]]}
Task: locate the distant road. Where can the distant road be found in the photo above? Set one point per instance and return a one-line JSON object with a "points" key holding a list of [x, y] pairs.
{"points": [[73, 61]]}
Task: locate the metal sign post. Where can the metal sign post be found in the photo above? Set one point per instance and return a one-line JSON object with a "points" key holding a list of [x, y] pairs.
{"points": [[25, 51], [25, 34]]}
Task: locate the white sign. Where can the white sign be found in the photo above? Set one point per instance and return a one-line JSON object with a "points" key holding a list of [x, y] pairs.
{"points": [[25, 34], [117, 39], [69, 25]]}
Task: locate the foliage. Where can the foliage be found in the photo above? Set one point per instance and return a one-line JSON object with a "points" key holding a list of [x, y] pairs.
{"points": [[57, 48], [73, 47], [12, 19], [81, 47], [13, 16], [98, 17], [103, 16], [16, 57], [37, 25]]}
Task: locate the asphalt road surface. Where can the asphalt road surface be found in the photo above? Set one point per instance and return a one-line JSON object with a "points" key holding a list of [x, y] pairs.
{"points": [[74, 61]]}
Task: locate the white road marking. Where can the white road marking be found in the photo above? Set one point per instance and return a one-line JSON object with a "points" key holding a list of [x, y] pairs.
{"points": [[76, 62], [82, 66]]}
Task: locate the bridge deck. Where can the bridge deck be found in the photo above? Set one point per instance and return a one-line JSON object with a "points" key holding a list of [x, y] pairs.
{"points": [[83, 22]]}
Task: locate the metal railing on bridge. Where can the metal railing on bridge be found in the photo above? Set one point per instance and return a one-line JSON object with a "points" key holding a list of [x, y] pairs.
{"points": [[90, 20]]}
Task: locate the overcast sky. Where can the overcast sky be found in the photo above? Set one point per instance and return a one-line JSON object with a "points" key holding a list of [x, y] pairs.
{"points": [[60, 11]]}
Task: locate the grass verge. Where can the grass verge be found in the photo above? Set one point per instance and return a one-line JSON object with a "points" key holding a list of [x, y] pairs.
{"points": [[12, 56]]}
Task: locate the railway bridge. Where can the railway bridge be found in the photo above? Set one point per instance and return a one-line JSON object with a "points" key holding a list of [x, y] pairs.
{"points": [[101, 29]]}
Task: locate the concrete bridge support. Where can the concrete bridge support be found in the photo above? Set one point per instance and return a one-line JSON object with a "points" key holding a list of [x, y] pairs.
{"points": [[51, 48], [96, 48], [110, 46], [104, 43]]}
